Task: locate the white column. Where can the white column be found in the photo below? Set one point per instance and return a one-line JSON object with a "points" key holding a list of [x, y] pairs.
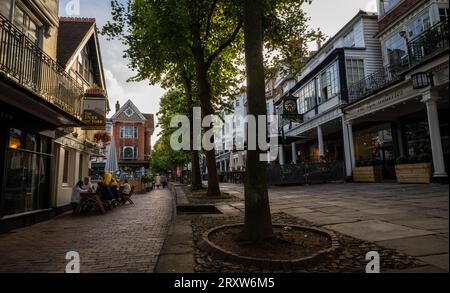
{"points": [[281, 154], [294, 153], [347, 155], [351, 143], [320, 141], [435, 137]]}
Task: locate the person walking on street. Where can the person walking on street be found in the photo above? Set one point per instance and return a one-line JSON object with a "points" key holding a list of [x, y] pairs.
{"points": [[164, 181], [158, 181]]}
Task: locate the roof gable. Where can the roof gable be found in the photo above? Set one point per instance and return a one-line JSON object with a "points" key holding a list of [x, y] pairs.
{"points": [[73, 35], [121, 114]]}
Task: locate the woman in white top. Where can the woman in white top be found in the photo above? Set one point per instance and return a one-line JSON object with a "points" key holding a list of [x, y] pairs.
{"points": [[158, 181], [76, 197], [87, 185]]}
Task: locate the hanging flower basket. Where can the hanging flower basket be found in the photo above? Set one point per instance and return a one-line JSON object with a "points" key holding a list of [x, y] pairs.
{"points": [[102, 136]]}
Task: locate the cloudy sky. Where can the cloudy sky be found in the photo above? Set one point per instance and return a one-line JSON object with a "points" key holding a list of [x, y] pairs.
{"points": [[328, 15]]}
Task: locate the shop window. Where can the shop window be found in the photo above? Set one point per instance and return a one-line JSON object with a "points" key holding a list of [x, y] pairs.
{"points": [[45, 146], [26, 182], [31, 143], [417, 138], [374, 143], [15, 139]]}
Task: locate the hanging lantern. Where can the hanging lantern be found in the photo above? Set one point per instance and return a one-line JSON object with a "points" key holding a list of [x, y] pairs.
{"points": [[421, 80]]}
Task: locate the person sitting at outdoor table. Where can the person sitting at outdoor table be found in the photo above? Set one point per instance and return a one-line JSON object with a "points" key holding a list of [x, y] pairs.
{"points": [[105, 191], [114, 187], [107, 177], [87, 185], [126, 187], [76, 197]]}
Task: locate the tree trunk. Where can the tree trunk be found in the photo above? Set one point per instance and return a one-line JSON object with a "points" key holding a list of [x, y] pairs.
{"points": [[258, 222], [207, 109], [196, 180]]}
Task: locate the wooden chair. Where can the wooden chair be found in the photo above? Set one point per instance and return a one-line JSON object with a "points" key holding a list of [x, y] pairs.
{"points": [[127, 197]]}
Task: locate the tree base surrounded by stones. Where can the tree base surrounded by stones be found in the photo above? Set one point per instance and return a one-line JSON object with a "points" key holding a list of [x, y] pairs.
{"points": [[291, 247], [350, 256]]}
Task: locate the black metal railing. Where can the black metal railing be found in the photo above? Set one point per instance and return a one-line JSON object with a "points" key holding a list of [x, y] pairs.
{"points": [[431, 42], [373, 82], [23, 61]]}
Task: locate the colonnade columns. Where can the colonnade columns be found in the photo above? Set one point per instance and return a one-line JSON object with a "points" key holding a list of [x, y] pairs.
{"points": [[281, 154], [294, 153], [349, 151], [320, 141], [439, 174]]}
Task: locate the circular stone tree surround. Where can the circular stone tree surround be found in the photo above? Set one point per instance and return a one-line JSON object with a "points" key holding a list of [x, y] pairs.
{"points": [[267, 263]]}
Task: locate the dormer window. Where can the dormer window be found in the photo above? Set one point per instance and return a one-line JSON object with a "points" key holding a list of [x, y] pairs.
{"points": [[129, 112]]}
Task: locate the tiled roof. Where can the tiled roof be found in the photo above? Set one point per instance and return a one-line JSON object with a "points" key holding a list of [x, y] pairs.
{"points": [[71, 33]]}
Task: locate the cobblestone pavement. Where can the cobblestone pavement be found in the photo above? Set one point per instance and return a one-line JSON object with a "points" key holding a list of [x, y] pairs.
{"points": [[126, 239], [412, 218]]}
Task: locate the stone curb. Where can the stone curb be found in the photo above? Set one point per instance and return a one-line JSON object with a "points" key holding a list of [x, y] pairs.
{"points": [[206, 245]]}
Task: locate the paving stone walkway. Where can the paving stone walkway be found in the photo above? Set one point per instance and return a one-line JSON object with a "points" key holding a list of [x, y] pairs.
{"points": [[127, 239], [409, 218]]}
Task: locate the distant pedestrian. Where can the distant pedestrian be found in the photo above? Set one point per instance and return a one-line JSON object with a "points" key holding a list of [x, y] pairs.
{"points": [[158, 181], [164, 181]]}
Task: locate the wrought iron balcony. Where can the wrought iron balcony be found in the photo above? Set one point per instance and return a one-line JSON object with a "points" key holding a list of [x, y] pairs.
{"points": [[430, 43], [373, 83], [22, 61]]}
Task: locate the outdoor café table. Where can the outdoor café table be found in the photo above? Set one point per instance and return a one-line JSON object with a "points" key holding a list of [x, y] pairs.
{"points": [[91, 198]]}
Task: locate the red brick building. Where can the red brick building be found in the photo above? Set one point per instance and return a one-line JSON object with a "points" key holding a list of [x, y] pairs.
{"points": [[132, 133]]}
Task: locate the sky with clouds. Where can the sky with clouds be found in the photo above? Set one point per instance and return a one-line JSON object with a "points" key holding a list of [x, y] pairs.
{"points": [[328, 15]]}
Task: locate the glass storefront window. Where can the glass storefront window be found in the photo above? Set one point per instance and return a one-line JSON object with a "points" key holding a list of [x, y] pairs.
{"points": [[417, 138], [15, 139], [45, 146], [26, 182], [374, 143], [31, 143]]}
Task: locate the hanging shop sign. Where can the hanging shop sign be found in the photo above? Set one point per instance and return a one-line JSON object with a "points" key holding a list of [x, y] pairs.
{"points": [[94, 113]]}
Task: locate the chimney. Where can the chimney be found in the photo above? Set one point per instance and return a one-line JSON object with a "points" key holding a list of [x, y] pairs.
{"points": [[117, 106], [319, 44]]}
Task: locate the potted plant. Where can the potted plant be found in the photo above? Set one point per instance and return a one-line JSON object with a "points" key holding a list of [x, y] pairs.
{"points": [[367, 171], [414, 169]]}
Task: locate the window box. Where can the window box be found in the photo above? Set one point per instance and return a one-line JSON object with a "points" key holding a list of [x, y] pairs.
{"points": [[370, 174]]}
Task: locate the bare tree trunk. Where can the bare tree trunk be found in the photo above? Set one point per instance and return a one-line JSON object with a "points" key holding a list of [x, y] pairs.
{"points": [[207, 109], [258, 222], [196, 180]]}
